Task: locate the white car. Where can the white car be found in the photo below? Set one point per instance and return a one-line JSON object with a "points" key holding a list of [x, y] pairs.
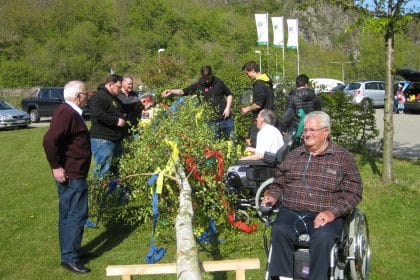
{"points": [[370, 92], [10, 117], [324, 84]]}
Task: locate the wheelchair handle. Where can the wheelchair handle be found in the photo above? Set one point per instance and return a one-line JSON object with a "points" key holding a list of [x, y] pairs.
{"points": [[266, 210]]}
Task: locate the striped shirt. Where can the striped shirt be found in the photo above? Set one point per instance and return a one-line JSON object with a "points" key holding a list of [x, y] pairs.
{"points": [[329, 181]]}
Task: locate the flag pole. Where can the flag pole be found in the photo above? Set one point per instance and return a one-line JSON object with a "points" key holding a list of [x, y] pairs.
{"points": [[284, 73], [268, 43], [297, 44]]}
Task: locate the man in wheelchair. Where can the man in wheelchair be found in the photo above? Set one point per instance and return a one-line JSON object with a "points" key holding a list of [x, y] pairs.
{"points": [[269, 138], [316, 186]]}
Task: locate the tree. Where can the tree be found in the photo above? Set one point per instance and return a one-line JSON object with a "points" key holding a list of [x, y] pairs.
{"points": [[386, 17], [178, 141]]}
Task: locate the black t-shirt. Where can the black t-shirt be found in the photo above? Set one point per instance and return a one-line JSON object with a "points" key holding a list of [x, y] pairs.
{"points": [[215, 94], [132, 109], [263, 96]]}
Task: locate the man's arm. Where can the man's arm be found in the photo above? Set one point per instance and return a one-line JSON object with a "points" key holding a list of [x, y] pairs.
{"points": [[226, 112], [250, 108], [52, 140], [169, 92], [99, 111]]}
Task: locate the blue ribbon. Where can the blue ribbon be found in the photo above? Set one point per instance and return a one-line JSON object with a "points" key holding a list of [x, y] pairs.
{"points": [[154, 254], [208, 235]]}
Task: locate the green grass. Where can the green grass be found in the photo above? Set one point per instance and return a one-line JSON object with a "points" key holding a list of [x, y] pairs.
{"points": [[28, 231]]}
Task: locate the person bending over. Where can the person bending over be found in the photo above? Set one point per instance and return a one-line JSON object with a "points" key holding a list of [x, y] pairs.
{"points": [[214, 91]]}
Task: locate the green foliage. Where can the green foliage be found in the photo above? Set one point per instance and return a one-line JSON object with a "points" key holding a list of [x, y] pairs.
{"points": [[352, 125], [185, 125], [50, 42]]}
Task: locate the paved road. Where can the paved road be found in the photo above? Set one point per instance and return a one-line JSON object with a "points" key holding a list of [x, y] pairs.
{"points": [[406, 133], [42, 123]]}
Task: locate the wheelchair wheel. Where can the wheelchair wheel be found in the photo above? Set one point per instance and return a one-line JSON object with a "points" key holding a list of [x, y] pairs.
{"points": [[359, 246], [266, 218]]}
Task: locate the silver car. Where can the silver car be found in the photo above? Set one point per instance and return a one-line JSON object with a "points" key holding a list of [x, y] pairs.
{"points": [[372, 92], [10, 117]]}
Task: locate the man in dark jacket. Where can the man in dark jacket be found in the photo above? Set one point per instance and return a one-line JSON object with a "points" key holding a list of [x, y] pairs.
{"points": [[217, 94], [300, 102], [262, 96], [132, 105], [108, 121], [67, 148]]}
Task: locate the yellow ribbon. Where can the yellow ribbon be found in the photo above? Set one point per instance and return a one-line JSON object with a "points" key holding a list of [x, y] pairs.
{"points": [[229, 149], [169, 168], [198, 116]]}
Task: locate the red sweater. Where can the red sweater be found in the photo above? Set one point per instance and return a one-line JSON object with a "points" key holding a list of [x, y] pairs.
{"points": [[67, 143]]}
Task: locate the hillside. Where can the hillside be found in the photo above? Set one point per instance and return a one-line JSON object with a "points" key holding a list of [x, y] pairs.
{"points": [[47, 42]]}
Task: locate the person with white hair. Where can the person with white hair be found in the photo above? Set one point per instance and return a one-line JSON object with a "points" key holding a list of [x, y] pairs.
{"points": [[67, 148], [269, 138], [317, 185]]}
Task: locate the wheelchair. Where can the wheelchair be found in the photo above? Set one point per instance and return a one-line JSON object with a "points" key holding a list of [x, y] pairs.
{"points": [[349, 257]]}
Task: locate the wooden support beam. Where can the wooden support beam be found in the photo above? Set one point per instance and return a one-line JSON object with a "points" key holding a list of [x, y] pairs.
{"points": [[239, 266]]}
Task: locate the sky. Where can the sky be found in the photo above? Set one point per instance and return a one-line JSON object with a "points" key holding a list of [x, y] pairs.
{"points": [[412, 5]]}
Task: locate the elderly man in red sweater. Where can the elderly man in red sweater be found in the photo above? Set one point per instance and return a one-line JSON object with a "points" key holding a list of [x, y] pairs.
{"points": [[67, 148]]}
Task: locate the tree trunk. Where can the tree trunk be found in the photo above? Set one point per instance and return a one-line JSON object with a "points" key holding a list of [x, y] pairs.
{"points": [[187, 257], [388, 145]]}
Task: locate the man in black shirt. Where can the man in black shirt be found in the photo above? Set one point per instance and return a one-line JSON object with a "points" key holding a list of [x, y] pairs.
{"points": [[132, 105], [262, 95], [217, 94], [108, 121]]}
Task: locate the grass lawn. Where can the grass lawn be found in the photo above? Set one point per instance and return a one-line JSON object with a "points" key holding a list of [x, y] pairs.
{"points": [[29, 242]]}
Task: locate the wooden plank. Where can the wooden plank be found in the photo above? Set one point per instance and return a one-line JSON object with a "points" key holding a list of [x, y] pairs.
{"points": [[141, 269], [170, 268], [230, 265]]}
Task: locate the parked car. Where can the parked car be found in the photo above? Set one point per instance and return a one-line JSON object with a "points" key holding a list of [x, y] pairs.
{"points": [[10, 117], [370, 92], [44, 101], [338, 88], [412, 92], [324, 84]]}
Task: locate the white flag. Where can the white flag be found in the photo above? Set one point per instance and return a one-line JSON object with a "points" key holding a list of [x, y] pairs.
{"points": [[278, 35], [262, 28], [292, 28]]}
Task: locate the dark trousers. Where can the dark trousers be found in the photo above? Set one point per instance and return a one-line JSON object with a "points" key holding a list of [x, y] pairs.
{"points": [[223, 128], [72, 215], [284, 235]]}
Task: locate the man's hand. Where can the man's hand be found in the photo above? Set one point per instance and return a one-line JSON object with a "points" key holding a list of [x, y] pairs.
{"points": [[226, 113], [166, 93], [59, 174], [268, 201], [323, 218], [245, 110], [121, 122]]}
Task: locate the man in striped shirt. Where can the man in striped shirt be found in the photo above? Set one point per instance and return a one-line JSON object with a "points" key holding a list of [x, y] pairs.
{"points": [[317, 185]]}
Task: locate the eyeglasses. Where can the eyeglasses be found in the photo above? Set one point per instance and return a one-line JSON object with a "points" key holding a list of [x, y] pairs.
{"points": [[312, 130]]}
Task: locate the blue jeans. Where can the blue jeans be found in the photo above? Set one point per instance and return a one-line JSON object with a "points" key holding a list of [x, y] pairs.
{"points": [[104, 151], [72, 216], [224, 126]]}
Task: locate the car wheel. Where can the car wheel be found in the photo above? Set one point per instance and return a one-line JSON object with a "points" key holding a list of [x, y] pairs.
{"points": [[34, 113]]}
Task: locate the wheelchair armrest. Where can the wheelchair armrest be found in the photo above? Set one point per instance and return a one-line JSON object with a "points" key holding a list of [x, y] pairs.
{"points": [[270, 158], [253, 163]]}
